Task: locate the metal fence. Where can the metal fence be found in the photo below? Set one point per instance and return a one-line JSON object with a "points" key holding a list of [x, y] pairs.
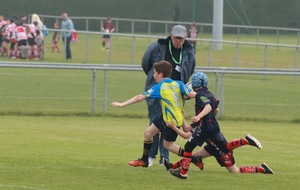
{"points": [[268, 52], [150, 27], [89, 88]]}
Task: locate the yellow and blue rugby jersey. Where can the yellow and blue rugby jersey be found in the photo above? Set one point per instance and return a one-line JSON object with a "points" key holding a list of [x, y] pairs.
{"points": [[170, 93]]}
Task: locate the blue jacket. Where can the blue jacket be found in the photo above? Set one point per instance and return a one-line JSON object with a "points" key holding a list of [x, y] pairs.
{"points": [[156, 52], [67, 25]]}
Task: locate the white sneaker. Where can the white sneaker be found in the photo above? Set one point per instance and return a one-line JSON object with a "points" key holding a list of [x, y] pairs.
{"points": [[150, 161]]}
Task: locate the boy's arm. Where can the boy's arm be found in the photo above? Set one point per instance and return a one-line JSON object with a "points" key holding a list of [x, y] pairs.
{"points": [[203, 113], [181, 133], [192, 94], [135, 99]]}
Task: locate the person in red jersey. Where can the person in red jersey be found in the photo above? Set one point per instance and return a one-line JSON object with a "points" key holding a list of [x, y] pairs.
{"points": [[31, 38], [107, 27]]}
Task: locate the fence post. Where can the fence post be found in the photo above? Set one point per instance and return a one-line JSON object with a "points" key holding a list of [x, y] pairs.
{"points": [[298, 38], [201, 33], [117, 26], [210, 54], [104, 89], [237, 54], [87, 42], [110, 49], [217, 84], [296, 58], [257, 38], [132, 27], [266, 57], [238, 34], [94, 92], [222, 93], [133, 49], [101, 24], [166, 29], [149, 28], [277, 35]]}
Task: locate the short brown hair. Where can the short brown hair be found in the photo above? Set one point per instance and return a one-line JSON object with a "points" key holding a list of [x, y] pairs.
{"points": [[163, 67]]}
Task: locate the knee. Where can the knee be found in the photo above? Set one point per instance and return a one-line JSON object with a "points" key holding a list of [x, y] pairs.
{"points": [[147, 135]]}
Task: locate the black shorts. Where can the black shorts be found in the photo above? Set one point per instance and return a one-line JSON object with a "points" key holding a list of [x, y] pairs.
{"points": [[202, 134], [7, 41], [168, 134], [224, 160], [12, 45], [22, 43], [217, 147], [31, 42], [106, 36]]}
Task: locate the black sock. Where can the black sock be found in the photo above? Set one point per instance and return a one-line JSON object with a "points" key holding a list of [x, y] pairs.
{"points": [[147, 147], [196, 159], [103, 44], [180, 152]]}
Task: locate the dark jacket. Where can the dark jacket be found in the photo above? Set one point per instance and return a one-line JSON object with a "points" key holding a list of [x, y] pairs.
{"points": [[156, 52]]}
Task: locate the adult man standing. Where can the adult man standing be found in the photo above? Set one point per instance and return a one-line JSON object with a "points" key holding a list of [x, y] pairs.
{"points": [[176, 50], [67, 27]]}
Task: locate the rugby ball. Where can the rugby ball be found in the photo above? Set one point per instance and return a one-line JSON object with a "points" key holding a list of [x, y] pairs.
{"points": [[107, 31]]}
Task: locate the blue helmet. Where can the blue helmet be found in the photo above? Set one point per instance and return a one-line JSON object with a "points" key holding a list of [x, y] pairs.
{"points": [[199, 79]]}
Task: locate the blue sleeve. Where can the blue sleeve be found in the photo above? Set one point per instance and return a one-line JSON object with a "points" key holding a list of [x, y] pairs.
{"points": [[71, 25], [153, 92], [184, 89]]}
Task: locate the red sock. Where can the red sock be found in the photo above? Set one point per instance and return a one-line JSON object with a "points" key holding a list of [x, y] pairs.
{"points": [[5, 51], [18, 53], [251, 169], [177, 164], [236, 143], [35, 53], [29, 53], [185, 164]]}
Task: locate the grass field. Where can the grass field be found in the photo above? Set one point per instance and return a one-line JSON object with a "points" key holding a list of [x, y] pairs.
{"points": [[74, 152], [92, 153]]}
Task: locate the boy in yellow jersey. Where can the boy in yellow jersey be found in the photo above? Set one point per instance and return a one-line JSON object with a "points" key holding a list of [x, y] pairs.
{"points": [[170, 93]]}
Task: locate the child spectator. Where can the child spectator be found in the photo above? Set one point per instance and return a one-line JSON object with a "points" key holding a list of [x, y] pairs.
{"points": [[55, 38], [193, 35]]}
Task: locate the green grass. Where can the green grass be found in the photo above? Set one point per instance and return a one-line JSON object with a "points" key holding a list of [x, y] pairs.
{"points": [[92, 153], [69, 92]]}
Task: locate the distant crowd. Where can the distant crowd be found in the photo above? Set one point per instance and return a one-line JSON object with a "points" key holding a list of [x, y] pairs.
{"points": [[19, 39]]}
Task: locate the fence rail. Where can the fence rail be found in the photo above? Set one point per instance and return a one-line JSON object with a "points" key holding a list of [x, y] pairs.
{"points": [[204, 27], [219, 73], [133, 37]]}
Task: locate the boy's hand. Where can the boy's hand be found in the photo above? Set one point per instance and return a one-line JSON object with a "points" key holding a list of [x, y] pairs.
{"points": [[195, 119], [170, 124], [116, 104]]}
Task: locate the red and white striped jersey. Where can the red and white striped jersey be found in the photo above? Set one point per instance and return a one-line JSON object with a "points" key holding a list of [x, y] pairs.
{"points": [[21, 33], [9, 31], [2, 26], [31, 31]]}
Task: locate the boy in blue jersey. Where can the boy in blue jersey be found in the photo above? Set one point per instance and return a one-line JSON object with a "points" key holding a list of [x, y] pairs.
{"points": [[171, 94]]}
